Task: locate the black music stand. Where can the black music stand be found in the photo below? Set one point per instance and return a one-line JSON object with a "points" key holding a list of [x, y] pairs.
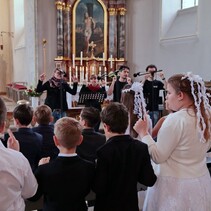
{"points": [[91, 96]]}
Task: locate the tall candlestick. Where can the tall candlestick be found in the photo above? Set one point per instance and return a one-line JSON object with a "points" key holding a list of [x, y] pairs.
{"points": [[111, 64], [73, 62], [103, 59], [70, 74], [81, 62]]}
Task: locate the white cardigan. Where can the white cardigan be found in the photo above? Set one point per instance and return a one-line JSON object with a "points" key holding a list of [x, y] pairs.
{"points": [[178, 149]]}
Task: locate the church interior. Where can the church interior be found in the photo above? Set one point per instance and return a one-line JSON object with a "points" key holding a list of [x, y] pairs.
{"points": [[96, 37]]}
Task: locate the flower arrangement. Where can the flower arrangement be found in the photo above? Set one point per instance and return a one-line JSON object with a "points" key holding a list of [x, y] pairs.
{"points": [[31, 92]]}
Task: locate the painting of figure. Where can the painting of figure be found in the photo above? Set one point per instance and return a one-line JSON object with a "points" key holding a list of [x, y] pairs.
{"points": [[89, 26]]}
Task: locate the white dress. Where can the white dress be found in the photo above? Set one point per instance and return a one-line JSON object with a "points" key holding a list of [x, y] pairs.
{"points": [[183, 181]]}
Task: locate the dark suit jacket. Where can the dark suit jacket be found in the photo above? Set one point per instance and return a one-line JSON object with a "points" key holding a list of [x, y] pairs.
{"points": [[55, 95], [121, 163], [64, 182], [48, 146], [30, 145], [91, 142]]}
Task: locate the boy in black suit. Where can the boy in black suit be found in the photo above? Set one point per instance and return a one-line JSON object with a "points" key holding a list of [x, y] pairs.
{"points": [[92, 140], [30, 142], [121, 163], [43, 116], [65, 181]]}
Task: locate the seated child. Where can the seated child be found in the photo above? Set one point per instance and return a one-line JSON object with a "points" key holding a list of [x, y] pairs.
{"points": [[67, 180], [43, 116]]}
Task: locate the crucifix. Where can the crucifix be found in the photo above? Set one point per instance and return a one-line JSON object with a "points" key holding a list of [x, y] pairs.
{"points": [[92, 45]]}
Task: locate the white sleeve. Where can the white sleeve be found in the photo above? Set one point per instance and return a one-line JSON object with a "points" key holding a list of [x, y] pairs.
{"points": [[169, 136], [29, 182]]}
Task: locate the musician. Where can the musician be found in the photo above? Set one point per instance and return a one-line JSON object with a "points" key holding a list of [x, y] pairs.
{"points": [[119, 82], [151, 89], [93, 87]]}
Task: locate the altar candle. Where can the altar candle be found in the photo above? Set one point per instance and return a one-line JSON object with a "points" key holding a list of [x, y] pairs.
{"points": [[103, 59], [82, 74], [111, 64], [86, 73], [81, 62], [76, 71], [73, 62], [105, 72], [99, 71], [70, 74]]}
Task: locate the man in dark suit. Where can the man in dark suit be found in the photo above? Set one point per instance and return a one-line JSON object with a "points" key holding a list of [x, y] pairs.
{"points": [[65, 181], [92, 140], [30, 142], [121, 163], [43, 116]]}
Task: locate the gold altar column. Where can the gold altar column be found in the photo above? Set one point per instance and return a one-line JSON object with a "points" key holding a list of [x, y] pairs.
{"points": [[112, 33], [121, 31], [67, 31], [60, 37]]}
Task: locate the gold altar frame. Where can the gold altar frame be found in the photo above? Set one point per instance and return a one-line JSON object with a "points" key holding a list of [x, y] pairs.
{"points": [[99, 7]]}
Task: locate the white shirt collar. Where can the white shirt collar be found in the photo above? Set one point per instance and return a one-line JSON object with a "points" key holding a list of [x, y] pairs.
{"points": [[67, 155]]}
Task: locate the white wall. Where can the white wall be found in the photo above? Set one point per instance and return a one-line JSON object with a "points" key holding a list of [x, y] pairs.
{"points": [[175, 56], [5, 54]]}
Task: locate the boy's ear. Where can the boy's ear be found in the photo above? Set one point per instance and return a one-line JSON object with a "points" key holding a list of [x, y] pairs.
{"points": [[106, 127], [80, 140], [16, 121], [56, 142], [51, 119]]}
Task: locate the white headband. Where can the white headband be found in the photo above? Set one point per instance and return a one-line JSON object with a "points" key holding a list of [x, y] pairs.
{"points": [[139, 101]]}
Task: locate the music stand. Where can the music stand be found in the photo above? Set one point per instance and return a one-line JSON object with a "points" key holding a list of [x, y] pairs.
{"points": [[90, 96]]}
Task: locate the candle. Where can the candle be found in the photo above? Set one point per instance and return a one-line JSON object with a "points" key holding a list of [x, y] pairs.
{"points": [[81, 62], [105, 73], [86, 73], [93, 70], [103, 59], [76, 71], [82, 74], [111, 64], [99, 71], [73, 62], [70, 74]]}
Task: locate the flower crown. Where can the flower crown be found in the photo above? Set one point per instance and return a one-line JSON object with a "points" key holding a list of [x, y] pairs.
{"points": [[199, 97], [139, 101]]}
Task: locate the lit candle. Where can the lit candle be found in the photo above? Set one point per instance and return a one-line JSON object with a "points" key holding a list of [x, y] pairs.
{"points": [[73, 62], [111, 64], [70, 74], [99, 71], [81, 63], [93, 70], [86, 73], [82, 74], [76, 71], [103, 59], [105, 72]]}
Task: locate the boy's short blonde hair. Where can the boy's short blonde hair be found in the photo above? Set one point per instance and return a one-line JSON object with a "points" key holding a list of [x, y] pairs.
{"points": [[43, 114], [68, 132]]}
